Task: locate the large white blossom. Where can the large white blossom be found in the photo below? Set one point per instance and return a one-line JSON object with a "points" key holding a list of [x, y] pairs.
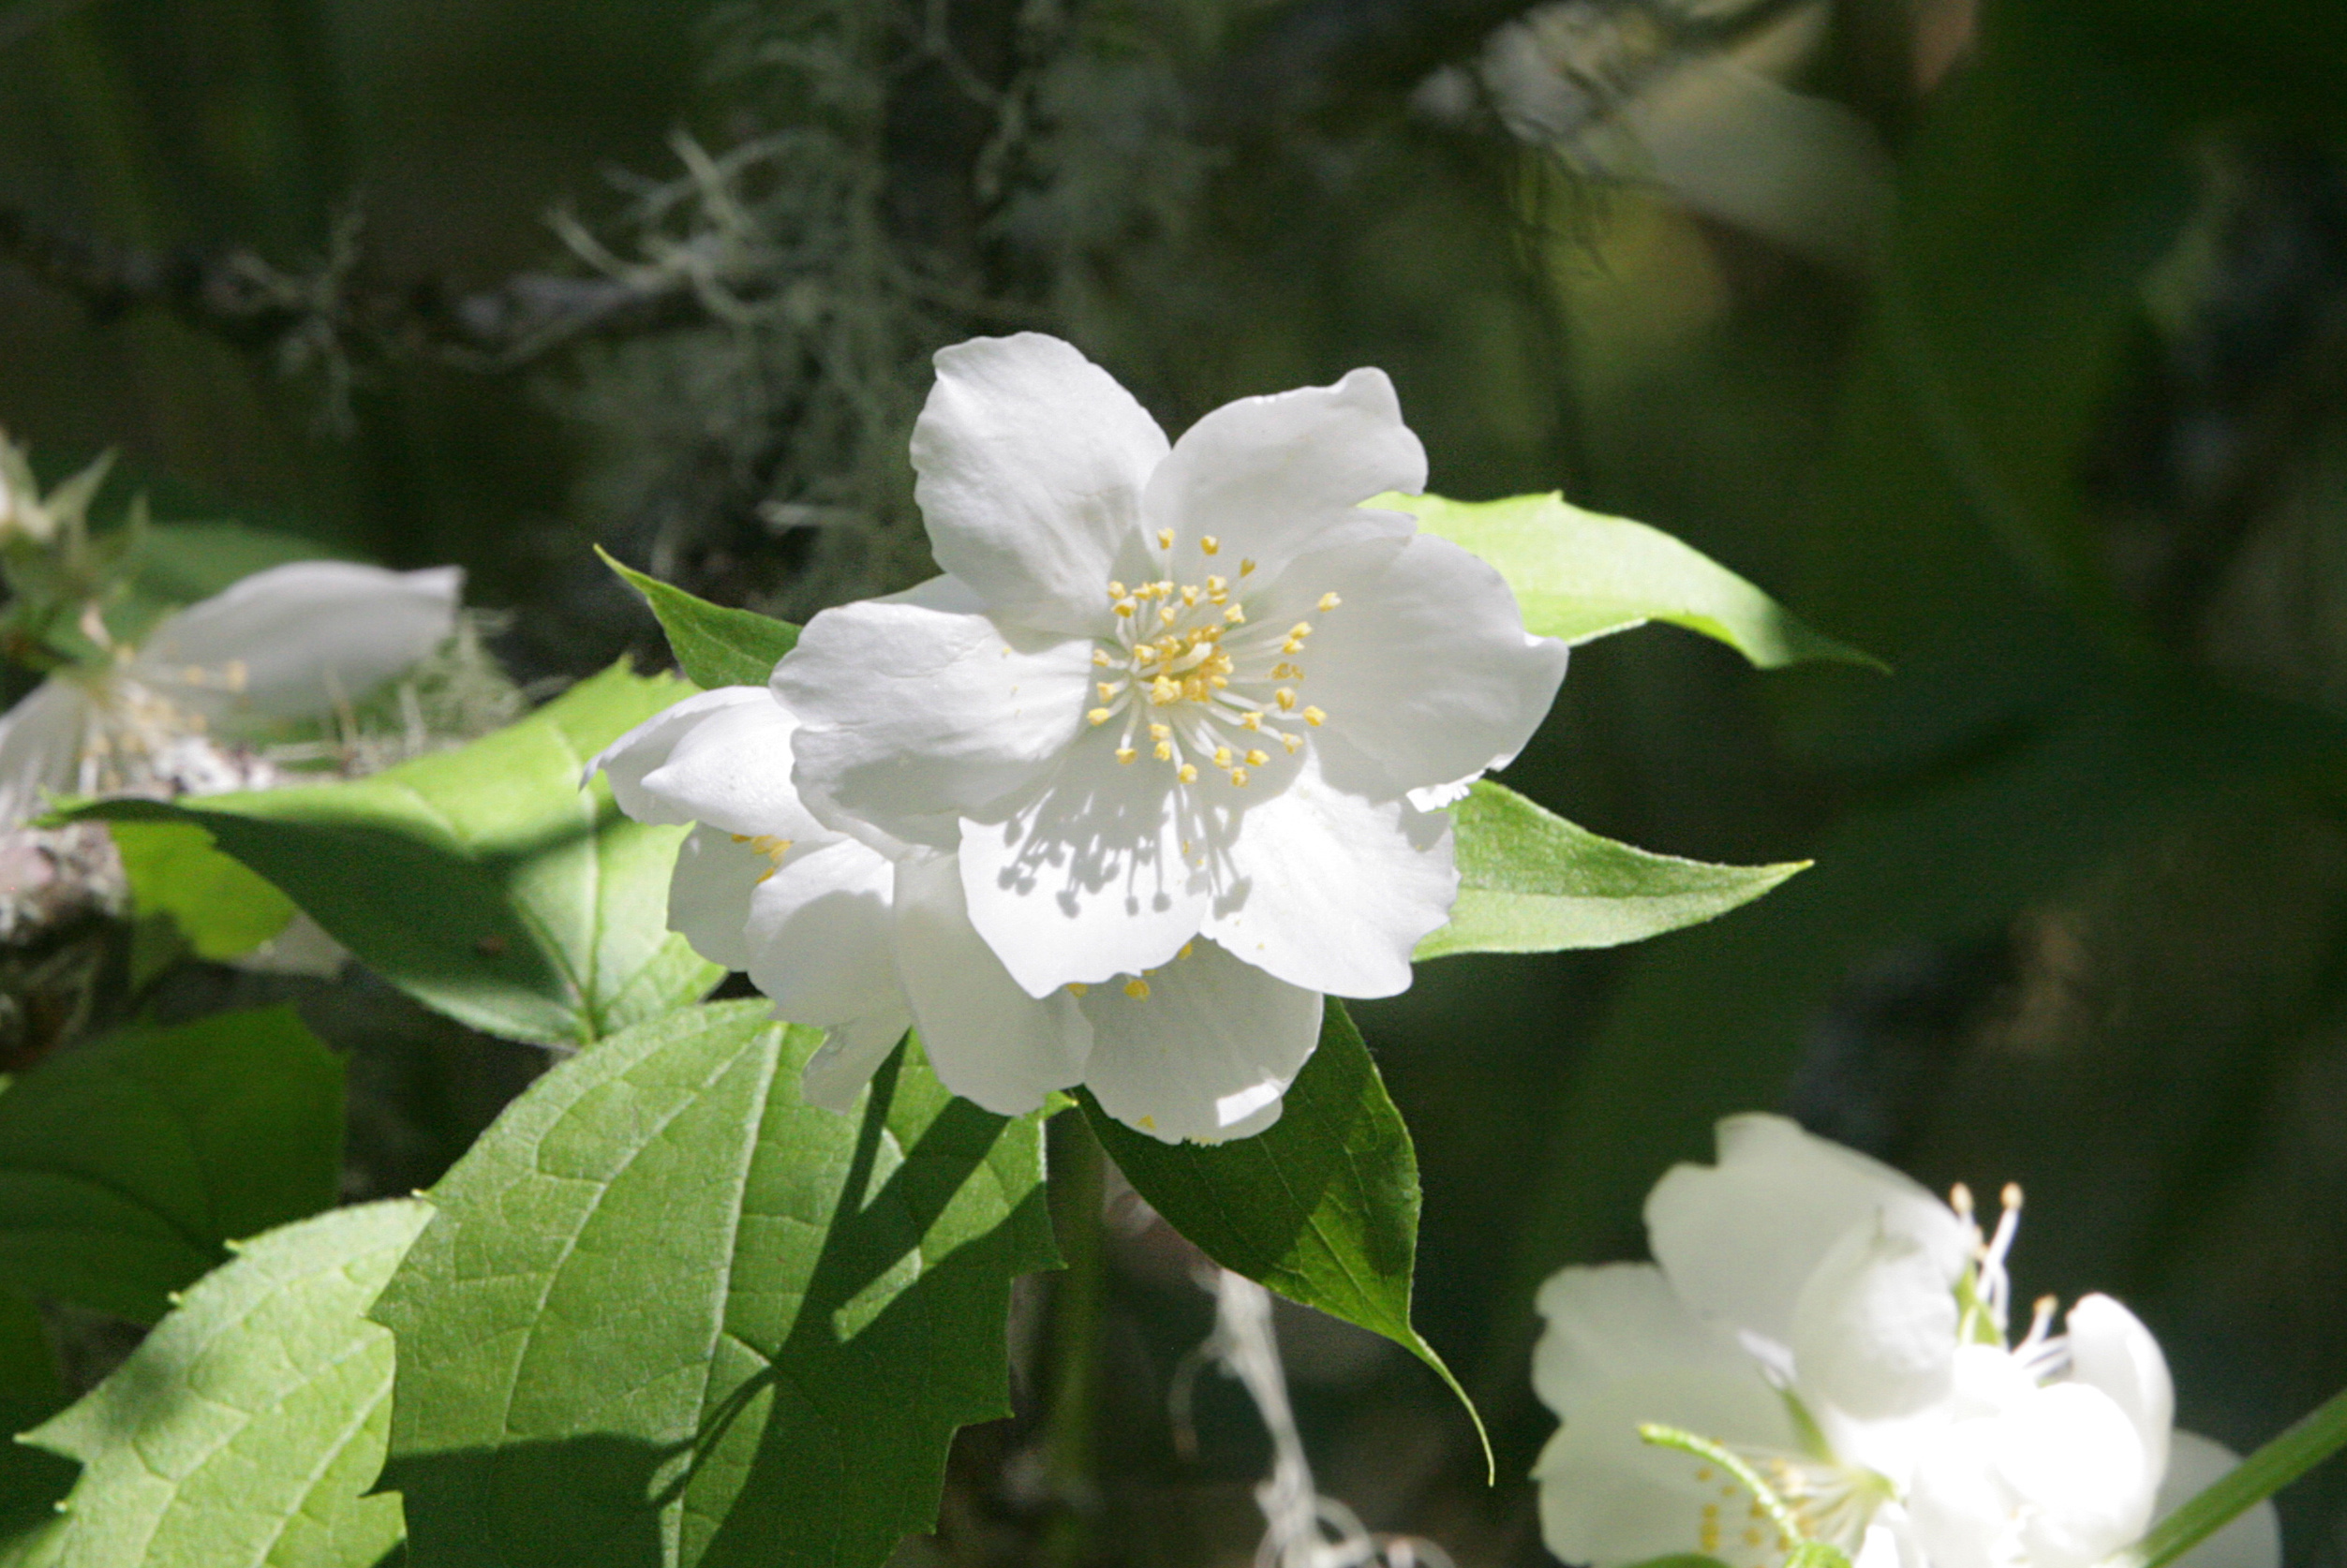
{"points": [[288, 642], [1844, 1331], [1117, 798]]}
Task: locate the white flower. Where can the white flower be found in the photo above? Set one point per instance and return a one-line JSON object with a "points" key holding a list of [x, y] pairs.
{"points": [[1134, 781], [287, 643], [1844, 1331]]}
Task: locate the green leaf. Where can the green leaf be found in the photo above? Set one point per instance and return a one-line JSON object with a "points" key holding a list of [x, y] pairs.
{"points": [[31, 1482], [668, 1315], [714, 645], [223, 910], [128, 1165], [483, 882], [2311, 1439], [249, 1425], [1530, 881], [1581, 575], [1322, 1207]]}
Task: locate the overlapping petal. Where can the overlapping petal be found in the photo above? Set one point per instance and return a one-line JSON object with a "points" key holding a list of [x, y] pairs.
{"points": [[1204, 1052], [723, 758], [910, 716], [1739, 1239], [1274, 478], [710, 894], [1330, 891], [1031, 463], [40, 749], [296, 639], [819, 937], [2111, 1350], [1086, 877]]}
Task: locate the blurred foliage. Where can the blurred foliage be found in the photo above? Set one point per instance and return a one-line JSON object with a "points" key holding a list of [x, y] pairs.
{"points": [[2002, 342]]}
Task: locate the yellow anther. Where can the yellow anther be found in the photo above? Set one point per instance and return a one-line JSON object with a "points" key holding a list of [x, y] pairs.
{"points": [[1163, 689], [1100, 660], [1160, 731], [1165, 538], [1187, 948], [1235, 615], [1293, 743], [1209, 543], [1256, 759], [1189, 593], [1221, 756], [1217, 585], [1703, 1472], [1108, 690], [1125, 754], [1116, 590], [1302, 629], [1100, 715], [1238, 777], [1245, 567], [1077, 988], [1123, 607], [1960, 1199], [1217, 682], [1328, 603], [1137, 989], [2011, 1196], [1286, 698], [1169, 616], [1315, 717], [768, 845], [1187, 773], [1251, 720], [1293, 644], [1162, 752]]}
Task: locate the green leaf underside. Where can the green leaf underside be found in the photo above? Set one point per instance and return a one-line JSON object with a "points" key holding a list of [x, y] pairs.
{"points": [[223, 910], [1581, 575], [668, 1314], [714, 645], [249, 1427], [126, 1166], [1530, 881], [483, 882], [1322, 1207]]}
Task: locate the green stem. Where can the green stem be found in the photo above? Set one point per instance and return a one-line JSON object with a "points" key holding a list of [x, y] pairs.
{"points": [[2315, 1438], [1711, 1453], [1078, 1174]]}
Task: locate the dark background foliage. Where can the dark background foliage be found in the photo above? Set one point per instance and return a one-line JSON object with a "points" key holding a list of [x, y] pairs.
{"points": [[2005, 342]]}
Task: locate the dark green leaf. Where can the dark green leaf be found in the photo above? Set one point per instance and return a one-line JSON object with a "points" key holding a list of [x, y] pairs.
{"points": [[126, 1166], [223, 910], [31, 1482], [249, 1425], [669, 1315], [1578, 576], [483, 882], [1321, 1207], [714, 645], [1530, 881]]}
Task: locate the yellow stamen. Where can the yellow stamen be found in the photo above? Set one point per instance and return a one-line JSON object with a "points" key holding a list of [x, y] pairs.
{"points": [[1116, 590], [1315, 717], [1209, 544], [1245, 567], [1328, 603], [1256, 759], [1251, 720], [1187, 948], [1137, 989], [1077, 988], [1100, 660], [1099, 716], [1165, 538], [1293, 743], [1169, 616], [1235, 615], [1125, 754], [1238, 777], [1286, 698], [1302, 629], [1123, 607], [1163, 751], [1160, 731], [1187, 773], [1108, 690]]}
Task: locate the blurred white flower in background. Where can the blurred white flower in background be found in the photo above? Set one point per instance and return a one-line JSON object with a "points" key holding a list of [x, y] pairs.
{"points": [[293, 642], [1151, 768], [1845, 1333]]}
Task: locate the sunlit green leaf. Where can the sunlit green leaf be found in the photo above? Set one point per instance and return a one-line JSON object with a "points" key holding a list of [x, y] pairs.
{"points": [[668, 1315], [483, 882], [714, 645], [1530, 881], [1579, 575], [127, 1165], [1321, 1207], [223, 910], [249, 1425]]}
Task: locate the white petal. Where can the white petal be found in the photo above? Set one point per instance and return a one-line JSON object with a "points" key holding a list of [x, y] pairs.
{"points": [[909, 715], [1962, 1512], [2253, 1540], [1424, 663], [1619, 1350], [848, 1057], [820, 938], [295, 640], [1271, 479], [1086, 879], [723, 758], [1330, 891], [40, 750], [943, 591], [1030, 461], [1206, 1054], [1875, 1325], [1739, 1239], [710, 894], [2110, 1349], [2084, 1484], [990, 1040]]}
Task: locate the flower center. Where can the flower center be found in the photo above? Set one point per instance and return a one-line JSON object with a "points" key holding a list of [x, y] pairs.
{"points": [[1194, 679]]}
